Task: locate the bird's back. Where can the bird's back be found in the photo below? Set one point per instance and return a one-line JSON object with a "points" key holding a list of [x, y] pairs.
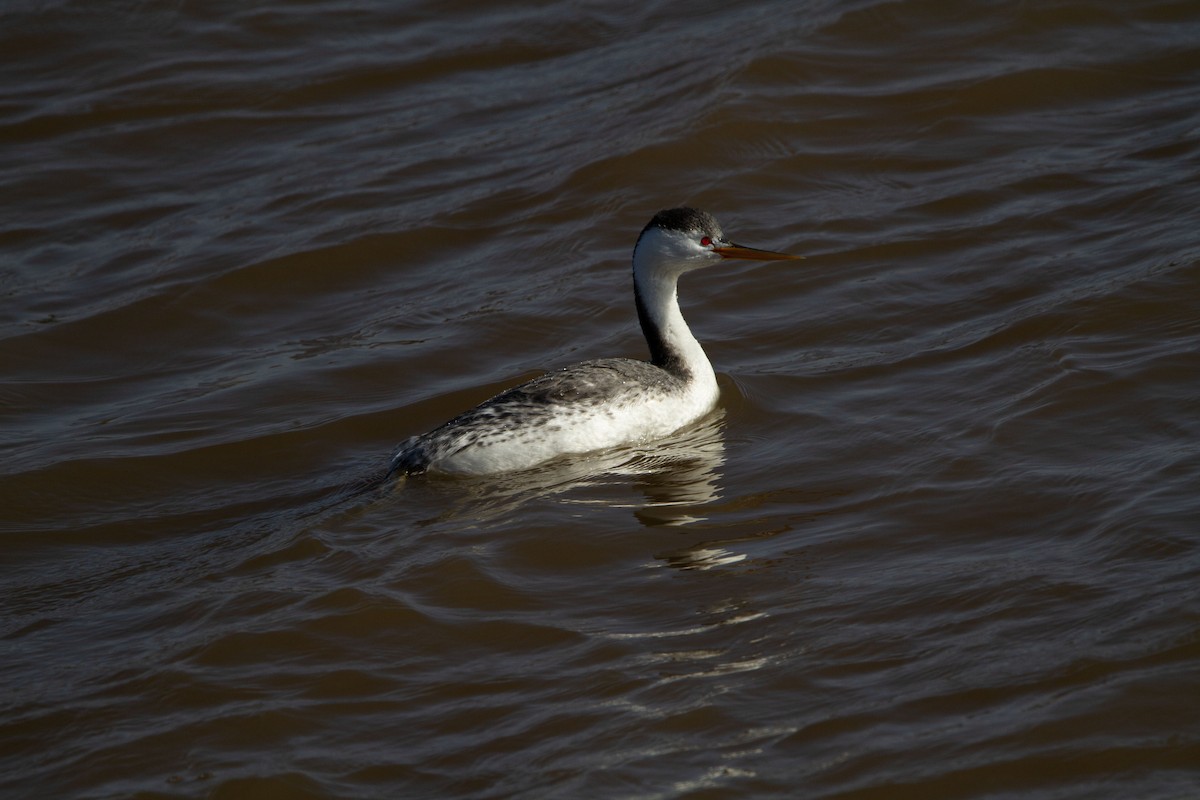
{"points": [[584, 407]]}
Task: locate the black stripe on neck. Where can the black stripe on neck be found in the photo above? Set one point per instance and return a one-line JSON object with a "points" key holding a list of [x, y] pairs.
{"points": [[662, 354]]}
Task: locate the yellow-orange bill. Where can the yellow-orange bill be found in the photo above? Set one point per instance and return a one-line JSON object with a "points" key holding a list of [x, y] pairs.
{"points": [[737, 251]]}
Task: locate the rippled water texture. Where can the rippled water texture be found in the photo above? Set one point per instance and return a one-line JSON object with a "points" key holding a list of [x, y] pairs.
{"points": [[942, 539]]}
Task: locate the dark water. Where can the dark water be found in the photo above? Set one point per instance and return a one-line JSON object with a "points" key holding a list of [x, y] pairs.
{"points": [[942, 540]]}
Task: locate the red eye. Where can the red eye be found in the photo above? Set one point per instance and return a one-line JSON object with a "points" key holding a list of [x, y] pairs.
{"points": [[705, 242]]}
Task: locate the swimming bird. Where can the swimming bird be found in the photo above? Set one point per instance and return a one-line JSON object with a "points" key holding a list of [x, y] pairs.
{"points": [[596, 405]]}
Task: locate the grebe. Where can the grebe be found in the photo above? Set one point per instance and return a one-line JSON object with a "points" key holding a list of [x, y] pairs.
{"points": [[600, 404]]}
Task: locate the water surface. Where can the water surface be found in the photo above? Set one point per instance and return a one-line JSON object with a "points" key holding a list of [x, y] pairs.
{"points": [[940, 540]]}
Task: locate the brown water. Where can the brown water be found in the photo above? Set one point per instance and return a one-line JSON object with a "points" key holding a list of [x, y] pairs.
{"points": [[942, 540]]}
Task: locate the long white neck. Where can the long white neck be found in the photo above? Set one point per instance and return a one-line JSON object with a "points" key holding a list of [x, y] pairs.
{"points": [[672, 345]]}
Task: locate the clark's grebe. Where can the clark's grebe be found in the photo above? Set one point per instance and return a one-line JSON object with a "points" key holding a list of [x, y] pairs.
{"points": [[599, 404]]}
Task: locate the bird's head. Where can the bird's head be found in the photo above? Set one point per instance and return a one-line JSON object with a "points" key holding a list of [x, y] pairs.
{"points": [[679, 240]]}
